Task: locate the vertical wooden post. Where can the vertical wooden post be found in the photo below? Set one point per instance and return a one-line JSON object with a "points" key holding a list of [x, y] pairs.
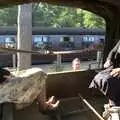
{"points": [[0, 111], [14, 61], [58, 63], [8, 111], [24, 37], [99, 58]]}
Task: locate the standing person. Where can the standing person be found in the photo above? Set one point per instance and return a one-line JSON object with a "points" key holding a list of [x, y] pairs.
{"points": [[108, 80], [76, 64]]}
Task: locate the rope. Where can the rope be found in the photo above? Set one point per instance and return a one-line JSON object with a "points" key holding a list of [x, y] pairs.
{"points": [[45, 52]]}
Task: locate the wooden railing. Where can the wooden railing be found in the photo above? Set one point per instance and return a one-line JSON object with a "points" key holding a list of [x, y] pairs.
{"points": [[44, 52]]}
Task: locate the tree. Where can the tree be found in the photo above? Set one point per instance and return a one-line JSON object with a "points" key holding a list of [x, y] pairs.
{"points": [[57, 16], [45, 15], [93, 21]]}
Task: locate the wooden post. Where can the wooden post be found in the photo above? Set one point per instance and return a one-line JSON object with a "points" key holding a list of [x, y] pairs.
{"points": [[0, 111], [8, 111], [24, 37], [58, 63], [14, 61], [99, 58]]}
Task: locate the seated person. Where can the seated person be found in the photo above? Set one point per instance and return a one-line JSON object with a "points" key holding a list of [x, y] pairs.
{"points": [[76, 64], [108, 80]]}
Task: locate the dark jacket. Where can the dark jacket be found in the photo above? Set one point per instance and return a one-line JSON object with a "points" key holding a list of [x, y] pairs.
{"points": [[114, 55], [107, 84]]}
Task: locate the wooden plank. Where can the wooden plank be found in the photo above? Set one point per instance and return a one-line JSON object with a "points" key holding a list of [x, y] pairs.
{"points": [[69, 84], [0, 111]]}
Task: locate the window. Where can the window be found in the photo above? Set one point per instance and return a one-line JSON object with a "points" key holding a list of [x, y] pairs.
{"points": [[10, 41], [67, 43], [40, 42], [88, 38]]}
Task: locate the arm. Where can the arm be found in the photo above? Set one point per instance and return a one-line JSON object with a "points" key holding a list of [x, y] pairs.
{"points": [[115, 72], [50, 104], [113, 51], [110, 57]]}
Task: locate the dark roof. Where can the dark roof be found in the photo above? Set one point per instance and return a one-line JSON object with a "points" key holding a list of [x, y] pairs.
{"points": [[54, 31]]}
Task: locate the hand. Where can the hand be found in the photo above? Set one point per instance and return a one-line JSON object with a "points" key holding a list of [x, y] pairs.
{"points": [[52, 103], [56, 104], [107, 64], [50, 100], [52, 106], [115, 72]]}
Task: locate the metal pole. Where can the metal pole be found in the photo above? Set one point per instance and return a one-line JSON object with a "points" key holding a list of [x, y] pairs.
{"points": [[91, 108]]}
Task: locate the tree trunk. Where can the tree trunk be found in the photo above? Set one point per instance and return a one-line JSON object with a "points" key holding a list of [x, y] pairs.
{"points": [[24, 36]]}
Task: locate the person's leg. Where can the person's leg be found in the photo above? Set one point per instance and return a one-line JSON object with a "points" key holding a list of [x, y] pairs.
{"points": [[113, 92]]}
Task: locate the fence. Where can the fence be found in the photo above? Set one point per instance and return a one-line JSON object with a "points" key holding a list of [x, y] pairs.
{"points": [[46, 52]]}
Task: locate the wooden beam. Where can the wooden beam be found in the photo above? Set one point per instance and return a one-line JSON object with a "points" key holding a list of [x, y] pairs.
{"points": [[0, 111], [8, 111]]}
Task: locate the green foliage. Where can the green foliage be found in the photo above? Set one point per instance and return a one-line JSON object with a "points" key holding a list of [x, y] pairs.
{"points": [[8, 16], [57, 16], [45, 15], [93, 21]]}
